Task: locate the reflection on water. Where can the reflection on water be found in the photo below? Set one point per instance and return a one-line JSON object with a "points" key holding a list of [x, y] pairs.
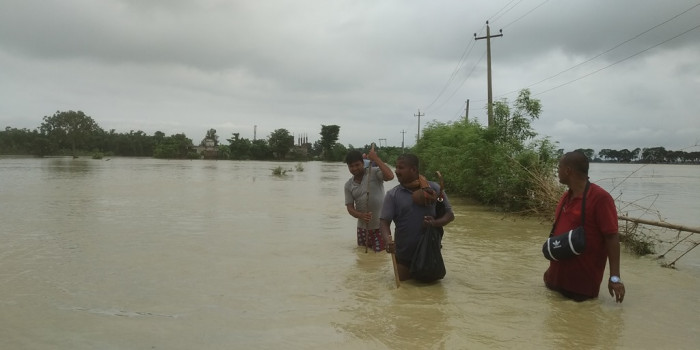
{"points": [[145, 253]]}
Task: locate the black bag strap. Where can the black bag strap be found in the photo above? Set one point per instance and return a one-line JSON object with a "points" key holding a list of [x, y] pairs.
{"points": [[583, 209]]}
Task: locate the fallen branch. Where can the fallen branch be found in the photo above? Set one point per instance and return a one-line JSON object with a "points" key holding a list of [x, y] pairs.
{"points": [[661, 224], [679, 228]]}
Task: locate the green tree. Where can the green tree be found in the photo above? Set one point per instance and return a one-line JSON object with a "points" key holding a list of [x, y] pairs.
{"points": [[280, 142], [317, 149], [654, 155], [513, 125], [69, 129], [239, 148], [329, 136], [260, 150], [224, 152], [177, 146], [17, 141], [337, 153], [503, 166]]}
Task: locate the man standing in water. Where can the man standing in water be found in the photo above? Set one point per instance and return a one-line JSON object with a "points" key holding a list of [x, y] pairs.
{"points": [[364, 193], [579, 278], [411, 206]]}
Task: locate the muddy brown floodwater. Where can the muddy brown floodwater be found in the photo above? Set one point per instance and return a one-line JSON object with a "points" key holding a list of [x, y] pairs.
{"points": [[155, 254]]}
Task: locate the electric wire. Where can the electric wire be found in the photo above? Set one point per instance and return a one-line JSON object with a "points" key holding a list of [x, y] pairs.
{"points": [[604, 52], [503, 8], [619, 61], [504, 11], [464, 80], [465, 53], [526, 13], [495, 18]]}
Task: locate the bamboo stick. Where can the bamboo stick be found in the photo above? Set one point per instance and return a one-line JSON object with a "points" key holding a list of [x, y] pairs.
{"points": [[661, 224]]}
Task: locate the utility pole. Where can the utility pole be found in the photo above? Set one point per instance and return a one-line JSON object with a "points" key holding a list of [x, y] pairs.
{"points": [[466, 112], [488, 65], [418, 115], [255, 132], [403, 133]]}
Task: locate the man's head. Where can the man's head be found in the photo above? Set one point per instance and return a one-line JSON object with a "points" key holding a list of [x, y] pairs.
{"points": [[406, 168], [355, 162], [573, 166]]}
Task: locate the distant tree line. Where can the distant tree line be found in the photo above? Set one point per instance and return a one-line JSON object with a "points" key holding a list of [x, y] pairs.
{"points": [[72, 133], [505, 165], [643, 155]]}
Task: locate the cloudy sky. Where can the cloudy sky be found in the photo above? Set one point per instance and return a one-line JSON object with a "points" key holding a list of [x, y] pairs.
{"points": [[609, 74]]}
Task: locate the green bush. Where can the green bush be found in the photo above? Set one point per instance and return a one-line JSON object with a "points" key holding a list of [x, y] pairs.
{"points": [[279, 171], [501, 166]]}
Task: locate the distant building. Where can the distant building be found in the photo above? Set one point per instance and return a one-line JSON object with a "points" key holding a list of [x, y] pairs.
{"points": [[208, 149]]}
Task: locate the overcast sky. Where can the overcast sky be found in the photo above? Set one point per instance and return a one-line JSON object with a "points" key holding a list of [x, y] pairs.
{"points": [[609, 74]]}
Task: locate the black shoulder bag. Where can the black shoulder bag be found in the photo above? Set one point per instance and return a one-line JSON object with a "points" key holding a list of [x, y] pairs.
{"points": [[427, 264], [570, 244]]}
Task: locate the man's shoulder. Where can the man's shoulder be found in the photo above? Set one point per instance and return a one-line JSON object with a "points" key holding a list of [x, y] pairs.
{"points": [[598, 192], [395, 189], [595, 188], [348, 183]]}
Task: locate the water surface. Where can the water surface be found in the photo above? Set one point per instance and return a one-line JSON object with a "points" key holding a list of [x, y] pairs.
{"points": [[155, 254]]}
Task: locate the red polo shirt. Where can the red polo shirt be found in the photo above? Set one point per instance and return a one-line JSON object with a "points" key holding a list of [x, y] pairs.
{"points": [[584, 273]]}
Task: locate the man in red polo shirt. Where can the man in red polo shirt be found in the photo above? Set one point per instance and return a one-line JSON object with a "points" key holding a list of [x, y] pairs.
{"points": [[579, 278]]}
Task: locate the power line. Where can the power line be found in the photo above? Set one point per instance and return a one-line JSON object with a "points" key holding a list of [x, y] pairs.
{"points": [[620, 61], [466, 52], [501, 15], [463, 80], [604, 52], [526, 13], [499, 11]]}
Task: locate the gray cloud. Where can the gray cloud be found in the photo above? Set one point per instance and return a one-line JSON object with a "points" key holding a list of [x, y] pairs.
{"points": [[368, 66]]}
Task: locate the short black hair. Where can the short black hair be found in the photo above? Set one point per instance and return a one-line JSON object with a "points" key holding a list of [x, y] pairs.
{"points": [[353, 156], [410, 159], [577, 160]]}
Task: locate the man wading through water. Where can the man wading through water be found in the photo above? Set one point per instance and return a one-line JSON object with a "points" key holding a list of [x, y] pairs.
{"points": [[364, 193], [411, 206], [579, 278]]}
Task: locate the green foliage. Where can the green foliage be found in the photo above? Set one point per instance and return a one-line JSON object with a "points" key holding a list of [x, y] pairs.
{"points": [[224, 152], [280, 142], [69, 129], [98, 155], [260, 150], [239, 148], [279, 171], [636, 241], [624, 155], [22, 141], [496, 166], [337, 153], [177, 146], [329, 137], [512, 130], [299, 167]]}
